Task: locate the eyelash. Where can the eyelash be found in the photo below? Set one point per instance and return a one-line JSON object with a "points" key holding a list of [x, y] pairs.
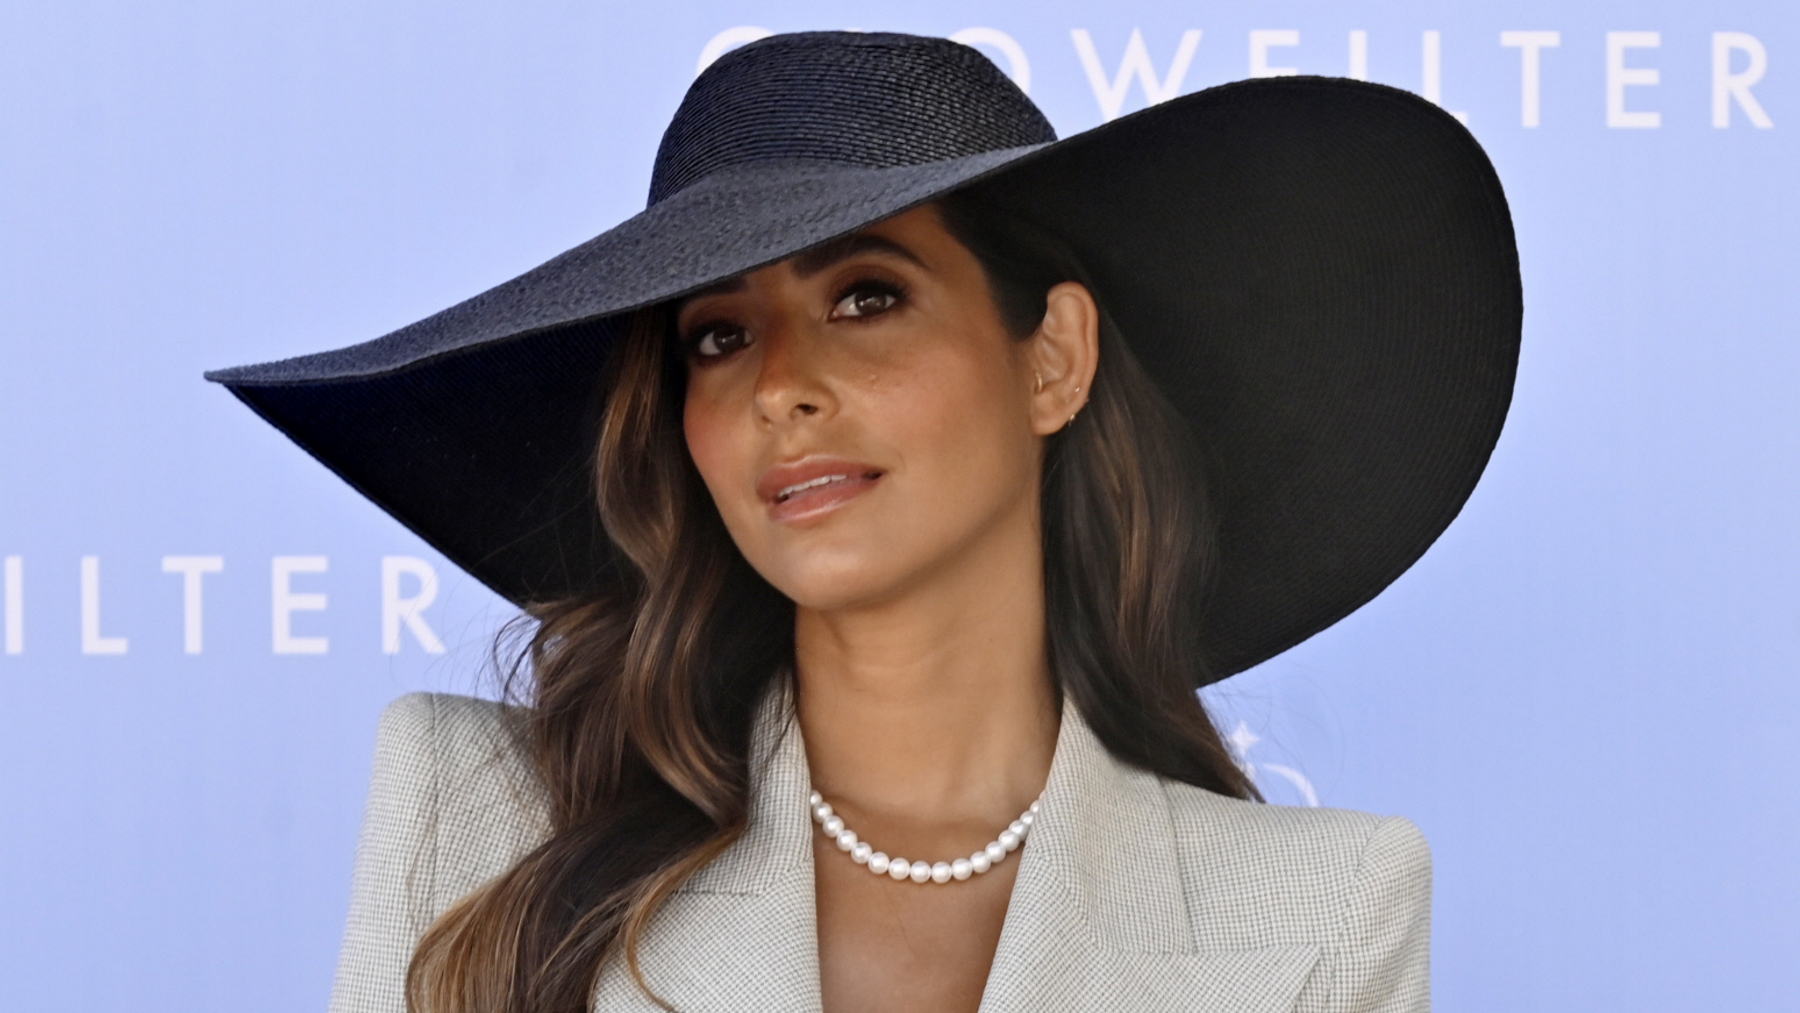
{"points": [[690, 342]]}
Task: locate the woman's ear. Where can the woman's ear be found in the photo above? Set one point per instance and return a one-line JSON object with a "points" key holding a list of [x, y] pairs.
{"points": [[1064, 353]]}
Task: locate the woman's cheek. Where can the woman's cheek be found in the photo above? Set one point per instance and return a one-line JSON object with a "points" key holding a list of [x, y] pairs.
{"points": [[706, 443]]}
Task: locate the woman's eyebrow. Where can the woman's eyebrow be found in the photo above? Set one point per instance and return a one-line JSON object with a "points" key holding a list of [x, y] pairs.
{"points": [[810, 262]]}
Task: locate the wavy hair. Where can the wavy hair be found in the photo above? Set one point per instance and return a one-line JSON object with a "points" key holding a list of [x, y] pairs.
{"points": [[637, 714]]}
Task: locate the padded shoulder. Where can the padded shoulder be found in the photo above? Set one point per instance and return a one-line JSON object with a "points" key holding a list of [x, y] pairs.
{"points": [[452, 803], [490, 806], [1356, 883]]}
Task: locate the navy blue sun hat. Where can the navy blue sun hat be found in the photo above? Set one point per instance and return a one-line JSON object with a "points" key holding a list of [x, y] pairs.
{"points": [[1320, 273]]}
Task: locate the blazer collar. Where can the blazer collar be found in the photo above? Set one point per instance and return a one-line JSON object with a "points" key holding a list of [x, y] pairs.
{"points": [[1098, 916]]}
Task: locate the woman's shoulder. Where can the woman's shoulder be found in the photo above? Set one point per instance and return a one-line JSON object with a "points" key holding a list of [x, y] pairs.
{"points": [[1293, 871], [452, 727], [1326, 831], [452, 803], [459, 763]]}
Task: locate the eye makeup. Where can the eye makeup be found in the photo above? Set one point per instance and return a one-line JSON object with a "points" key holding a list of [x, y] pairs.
{"points": [[696, 335]]}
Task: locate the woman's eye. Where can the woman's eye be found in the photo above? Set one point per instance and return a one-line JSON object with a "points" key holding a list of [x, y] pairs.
{"points": [[862, 299], [697, 339], [856, 297]]}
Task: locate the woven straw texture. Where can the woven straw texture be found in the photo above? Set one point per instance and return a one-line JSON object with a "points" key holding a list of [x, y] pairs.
{"points": [[1320, 274], [1134, 894]]}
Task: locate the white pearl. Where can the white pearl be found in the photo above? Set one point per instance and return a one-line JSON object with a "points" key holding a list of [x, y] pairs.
{"points": [[901, 869]]}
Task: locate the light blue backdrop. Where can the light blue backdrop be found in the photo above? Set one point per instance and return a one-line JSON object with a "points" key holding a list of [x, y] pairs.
{"points": [[1584, 694]]}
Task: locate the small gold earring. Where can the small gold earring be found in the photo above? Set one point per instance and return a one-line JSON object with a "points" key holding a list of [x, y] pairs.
{"points": [[1039, 389]]}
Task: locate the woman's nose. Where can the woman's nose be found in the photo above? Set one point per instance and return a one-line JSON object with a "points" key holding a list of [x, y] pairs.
{"points": [[788, 381]]}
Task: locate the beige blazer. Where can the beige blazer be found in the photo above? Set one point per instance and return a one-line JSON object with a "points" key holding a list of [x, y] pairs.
{"points": [[1134, 894]]}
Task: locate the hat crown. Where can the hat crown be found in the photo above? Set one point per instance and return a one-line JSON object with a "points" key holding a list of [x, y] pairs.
{"points": [[871, 99]]}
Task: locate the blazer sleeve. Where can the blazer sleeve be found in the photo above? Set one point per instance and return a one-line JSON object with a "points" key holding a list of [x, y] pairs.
{"points": [[1381, 954], [391, 902]]}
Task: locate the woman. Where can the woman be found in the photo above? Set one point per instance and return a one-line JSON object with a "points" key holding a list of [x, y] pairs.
{"points": [[904, 463]]}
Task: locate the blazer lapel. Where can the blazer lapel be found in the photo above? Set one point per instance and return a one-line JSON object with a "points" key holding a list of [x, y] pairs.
{"points": [[741, 933], [1098, 919]]}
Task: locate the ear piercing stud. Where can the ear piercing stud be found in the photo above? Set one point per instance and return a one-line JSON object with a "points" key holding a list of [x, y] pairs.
{"points": [[1039, 389]]}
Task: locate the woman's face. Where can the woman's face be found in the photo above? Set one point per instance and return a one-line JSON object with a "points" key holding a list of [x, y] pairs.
{"points": [[881, 354]]}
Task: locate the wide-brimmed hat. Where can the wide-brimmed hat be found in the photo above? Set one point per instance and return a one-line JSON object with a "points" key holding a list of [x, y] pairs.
{"points": [[1320, 273]]}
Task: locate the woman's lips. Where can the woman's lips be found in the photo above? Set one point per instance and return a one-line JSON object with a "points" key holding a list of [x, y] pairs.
{"points": [[820, 500]]}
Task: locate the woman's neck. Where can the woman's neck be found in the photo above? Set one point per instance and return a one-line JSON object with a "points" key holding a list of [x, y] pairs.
{"points": [[948, 712]]}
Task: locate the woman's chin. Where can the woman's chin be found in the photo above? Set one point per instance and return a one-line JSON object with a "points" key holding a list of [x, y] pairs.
{"points": [[834, 589]]}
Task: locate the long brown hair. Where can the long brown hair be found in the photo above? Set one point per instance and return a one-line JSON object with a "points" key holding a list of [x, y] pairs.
{"points": [[637, 718]]}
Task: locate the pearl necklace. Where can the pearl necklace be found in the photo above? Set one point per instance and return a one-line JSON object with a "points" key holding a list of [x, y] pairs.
{"points": [[900, 870]]}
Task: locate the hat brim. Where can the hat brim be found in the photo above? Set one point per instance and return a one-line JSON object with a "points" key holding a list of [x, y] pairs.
{"points": [[1321, 273]]}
